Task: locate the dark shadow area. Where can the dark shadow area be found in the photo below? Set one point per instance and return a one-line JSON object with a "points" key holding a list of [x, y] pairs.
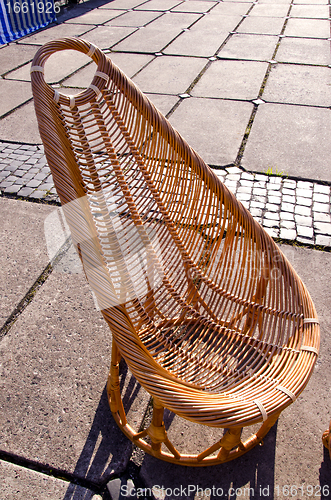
{"points": [[249, 476], [107, 450], [73, 10], [325, 477]]}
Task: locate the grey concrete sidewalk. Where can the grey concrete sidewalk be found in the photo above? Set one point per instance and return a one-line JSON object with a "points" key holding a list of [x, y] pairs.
{"points": [[248, 85]]}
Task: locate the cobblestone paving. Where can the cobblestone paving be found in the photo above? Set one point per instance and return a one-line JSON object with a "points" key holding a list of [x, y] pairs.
{"points": [[289, 209]]}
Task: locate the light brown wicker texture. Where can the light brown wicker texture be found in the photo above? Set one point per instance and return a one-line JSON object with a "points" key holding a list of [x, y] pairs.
{"points": [[209, 315]]}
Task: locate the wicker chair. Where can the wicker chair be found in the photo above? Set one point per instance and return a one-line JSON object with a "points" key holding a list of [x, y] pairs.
{"points": [[206, 311]]}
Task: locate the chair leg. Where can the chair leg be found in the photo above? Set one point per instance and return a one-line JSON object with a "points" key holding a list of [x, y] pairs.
{"points": [[113, 385], [326, 438]]}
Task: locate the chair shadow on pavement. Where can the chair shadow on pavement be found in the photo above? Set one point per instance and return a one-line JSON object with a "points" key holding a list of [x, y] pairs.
{"points": [[106, 451], [249, 476], [324, 475]]}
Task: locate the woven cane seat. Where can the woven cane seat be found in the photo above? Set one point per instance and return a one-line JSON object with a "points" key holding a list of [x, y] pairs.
{"points": [[205, 309]]}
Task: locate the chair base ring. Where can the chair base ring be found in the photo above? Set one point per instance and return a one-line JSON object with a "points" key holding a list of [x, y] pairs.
{"points": [[193, 460]]}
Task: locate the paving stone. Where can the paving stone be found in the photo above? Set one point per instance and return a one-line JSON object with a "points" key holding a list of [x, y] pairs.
{"points": [[288, 192], [53, 33], [233, 177], [21, 483], [304, 220], [305, 231], [322, 227], [106, 37], [121, 488], [56, 359], [323, 240], [272, 231], [304, 51], [288, 234], [252, 47], [213, 127], [199, 6], [321, 207], [20, 267], [248, 176], [12, 189], [321, 198], [228, 8], [269, 10], [21, 125], [121, 4], [256, 212], [25, 191], [13, 56], [243, 196], [96, 16], [278, 127], [262, 25], [162, 5], [212, 22], [163, 103], [272, 207], [234, 170], [302, 210], [322, 217], [271, 215], [16, 93], [274, 199], [311, 11], [308, 28], [134, 18], [287, 207], [193, 43], [245, 188], [295, 84], [286, 224], [304, 201], [320, 188], [257, 204], [231, 80], [171, 75], [287, 198]]}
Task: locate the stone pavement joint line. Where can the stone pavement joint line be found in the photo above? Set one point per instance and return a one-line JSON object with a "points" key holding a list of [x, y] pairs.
{"points": [[289, 209]]}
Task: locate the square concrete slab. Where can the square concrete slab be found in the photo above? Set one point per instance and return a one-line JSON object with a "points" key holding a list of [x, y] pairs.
{"points": [[194, 43], [15, 93], [310, 11], [20, 483], [58, 66], [304, 51], [148, 39], [121, 4], [53, 33], [161, 5], [216, 22], [295, 139], [308, 28], [213, 127], [262, 25], [134, 18], [195, 6], [106, 37], [231, 80], [270, 10], [292, 452], [171, 75], [251, 47], [96, 16], [21, 126], [230, 9], [295, 84], [13, 56], [163, 103], [22, 229], [55, 362]]}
